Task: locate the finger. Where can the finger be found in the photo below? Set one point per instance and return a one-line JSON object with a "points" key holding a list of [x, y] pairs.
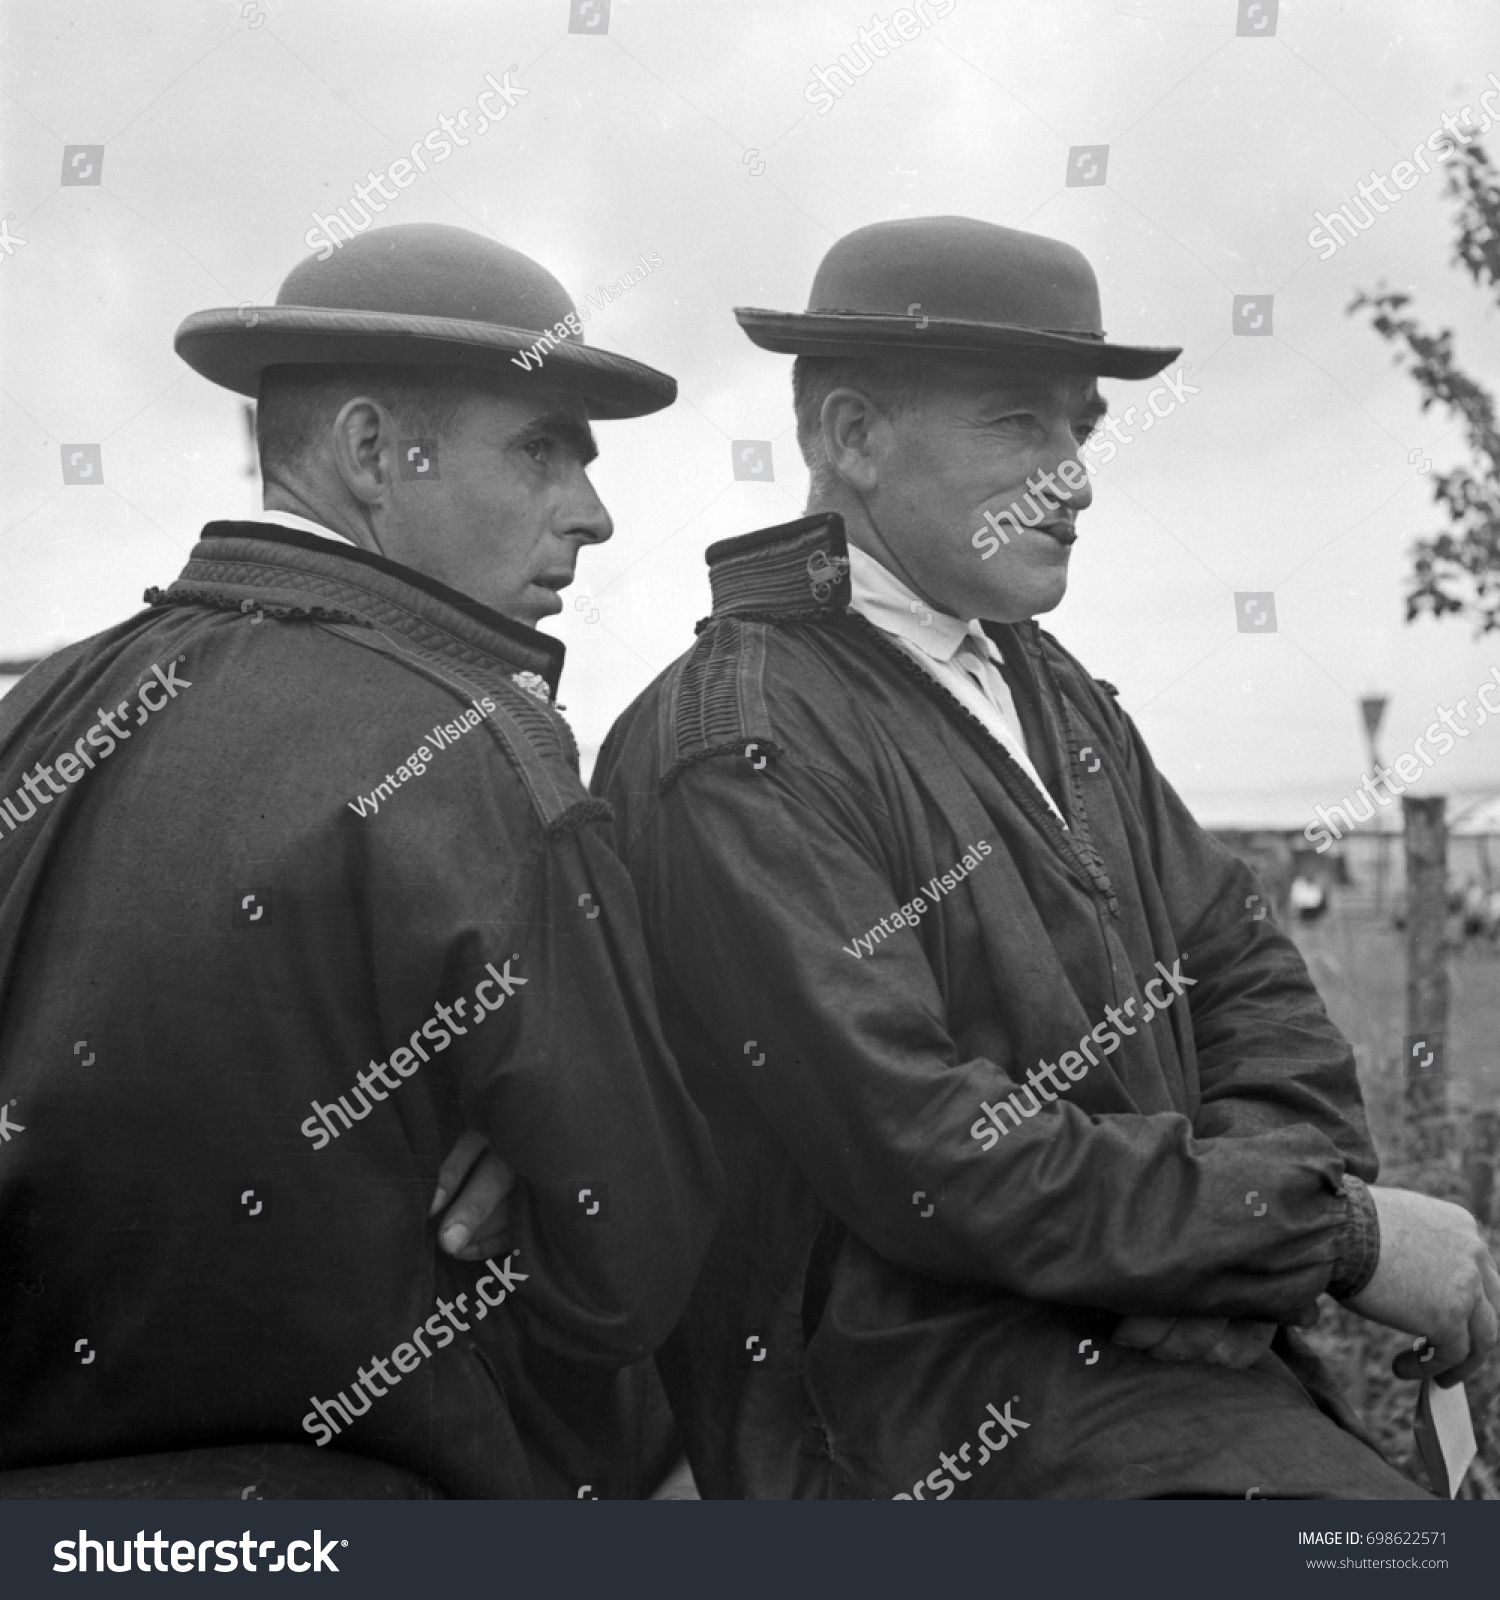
{"points": [[1141, 1333], [492, 1238], [480, 1206], [479, 1201], [460, 1158], [1484, 1327], [1456, 1357], [1489, 1277]]}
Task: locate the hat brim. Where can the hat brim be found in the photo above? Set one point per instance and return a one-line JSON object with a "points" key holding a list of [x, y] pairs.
{"points": [[858, 334], [233, 347]]}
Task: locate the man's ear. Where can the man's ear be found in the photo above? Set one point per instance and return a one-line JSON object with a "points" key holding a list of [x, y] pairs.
{"points": [[852, 429], [364, 450]]}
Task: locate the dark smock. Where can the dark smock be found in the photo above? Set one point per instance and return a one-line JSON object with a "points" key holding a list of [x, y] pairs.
{"points": [[203, 935], [892, 1305]]}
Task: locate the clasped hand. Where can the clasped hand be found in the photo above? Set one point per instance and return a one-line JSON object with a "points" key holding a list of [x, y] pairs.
{"points": [[476, 1223]]}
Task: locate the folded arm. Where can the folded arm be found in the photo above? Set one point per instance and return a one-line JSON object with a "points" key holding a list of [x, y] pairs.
{"points": [[756, 902], [568, 1078], [1269, 1057]]}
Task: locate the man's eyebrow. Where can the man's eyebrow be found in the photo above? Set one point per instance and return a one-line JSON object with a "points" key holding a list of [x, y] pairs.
{"points": [[562, 425], [1091, 409]]}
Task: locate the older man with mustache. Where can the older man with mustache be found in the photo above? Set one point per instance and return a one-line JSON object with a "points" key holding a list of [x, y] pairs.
{"points": [[1030, 1193], [327, 894]]}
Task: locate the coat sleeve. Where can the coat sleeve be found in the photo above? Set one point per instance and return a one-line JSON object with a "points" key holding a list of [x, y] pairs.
{"points": [[1269, 1056], [753, 889], [569, 1075]]}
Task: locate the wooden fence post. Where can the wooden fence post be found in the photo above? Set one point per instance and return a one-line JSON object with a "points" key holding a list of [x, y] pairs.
{"points": [[1425, 1046], [1480, 1159]]}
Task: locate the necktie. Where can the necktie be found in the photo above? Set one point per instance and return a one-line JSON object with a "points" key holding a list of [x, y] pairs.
{"points": [[979, 665]]}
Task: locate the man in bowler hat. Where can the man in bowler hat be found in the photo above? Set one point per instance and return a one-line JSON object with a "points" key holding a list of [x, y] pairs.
{"points": [[1040, 1146], [299, 890]]}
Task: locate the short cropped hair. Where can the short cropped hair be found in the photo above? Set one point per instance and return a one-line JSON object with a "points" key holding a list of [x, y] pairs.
{"points": [[297, 404], [896, 384]]}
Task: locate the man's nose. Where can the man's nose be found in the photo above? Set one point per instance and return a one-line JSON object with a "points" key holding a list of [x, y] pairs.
{"points": [[1081, 498], [586, 515]]}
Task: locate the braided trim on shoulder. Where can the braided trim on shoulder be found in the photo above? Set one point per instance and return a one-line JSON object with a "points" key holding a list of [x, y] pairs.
{"points": [[729, 747], [579, 815], [222, 602]]}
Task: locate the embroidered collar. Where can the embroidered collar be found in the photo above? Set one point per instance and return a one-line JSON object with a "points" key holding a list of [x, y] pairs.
{"points": [[794, 570], [808, 570], [283, 566]]}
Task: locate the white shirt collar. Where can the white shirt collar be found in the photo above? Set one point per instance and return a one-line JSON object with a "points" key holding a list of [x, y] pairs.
{"points": [[934, 639], [290, 519], [882, 598]]}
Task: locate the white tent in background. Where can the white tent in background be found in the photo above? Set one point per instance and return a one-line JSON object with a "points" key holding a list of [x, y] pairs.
{"points": [[1480, 818]]}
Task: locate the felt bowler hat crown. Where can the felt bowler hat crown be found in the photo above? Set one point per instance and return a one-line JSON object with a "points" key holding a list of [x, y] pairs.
{"points": [[420, 295], [955, 286]]}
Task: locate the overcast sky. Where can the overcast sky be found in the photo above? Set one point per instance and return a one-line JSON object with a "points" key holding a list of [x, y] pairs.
{"points": [[684, 130]]}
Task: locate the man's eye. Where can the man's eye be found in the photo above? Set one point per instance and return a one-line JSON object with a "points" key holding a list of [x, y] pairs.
{"points": [[1016, 422], [538, 449]]}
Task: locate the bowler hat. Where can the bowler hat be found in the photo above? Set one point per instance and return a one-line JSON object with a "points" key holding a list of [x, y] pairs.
{"points": [[421, 294], [955, 286]]}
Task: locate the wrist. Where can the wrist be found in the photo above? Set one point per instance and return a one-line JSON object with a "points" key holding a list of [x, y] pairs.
{"points": [[1359, 1245]]}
